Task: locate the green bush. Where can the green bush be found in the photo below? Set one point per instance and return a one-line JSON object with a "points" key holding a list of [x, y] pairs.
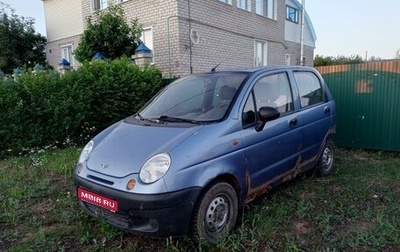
{"points": [[27, 111], [45, 109]]}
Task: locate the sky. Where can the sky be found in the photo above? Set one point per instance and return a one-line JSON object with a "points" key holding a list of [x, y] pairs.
{"points": [[355, 27], [30, 8], [343, 27]]}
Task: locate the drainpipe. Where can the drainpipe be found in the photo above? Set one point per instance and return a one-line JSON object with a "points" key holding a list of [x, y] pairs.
{"points": [[302, 33], [169, 45], [190, 47]]}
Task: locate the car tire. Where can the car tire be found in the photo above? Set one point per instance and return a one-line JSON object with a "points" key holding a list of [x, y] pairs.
{"points": [[326, 160], [216, 213]]}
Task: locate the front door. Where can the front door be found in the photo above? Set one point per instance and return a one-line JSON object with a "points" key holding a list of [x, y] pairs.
{"points": [[272, 153]]}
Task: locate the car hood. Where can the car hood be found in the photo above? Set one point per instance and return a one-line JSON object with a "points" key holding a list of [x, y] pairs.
{"points": [[123, 150]]}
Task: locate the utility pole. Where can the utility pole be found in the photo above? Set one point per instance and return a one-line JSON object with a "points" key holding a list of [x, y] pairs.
{"points": [[303, 3]]}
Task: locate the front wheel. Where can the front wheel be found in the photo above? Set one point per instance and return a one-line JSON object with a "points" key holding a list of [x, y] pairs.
{"points": [[216, 213], [326, 160]]}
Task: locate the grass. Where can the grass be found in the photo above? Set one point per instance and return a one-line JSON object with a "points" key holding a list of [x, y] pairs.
{"points": [[355, 209]]}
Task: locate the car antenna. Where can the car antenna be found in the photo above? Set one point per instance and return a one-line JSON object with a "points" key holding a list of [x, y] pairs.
{"points": [[213, 69]]}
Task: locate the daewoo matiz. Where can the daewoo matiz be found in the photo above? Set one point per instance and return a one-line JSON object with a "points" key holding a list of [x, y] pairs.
{"points": [[204, 146]]}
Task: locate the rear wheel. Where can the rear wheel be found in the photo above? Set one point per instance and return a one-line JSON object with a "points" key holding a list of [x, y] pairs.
{"points": [[216, 213], [325, 164]]}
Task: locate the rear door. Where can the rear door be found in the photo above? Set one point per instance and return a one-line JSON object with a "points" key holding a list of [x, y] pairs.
{"points": [[272, 152], [315, 114]]}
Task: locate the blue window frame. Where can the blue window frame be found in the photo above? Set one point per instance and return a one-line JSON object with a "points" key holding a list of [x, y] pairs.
{"points": [[292, 14]]}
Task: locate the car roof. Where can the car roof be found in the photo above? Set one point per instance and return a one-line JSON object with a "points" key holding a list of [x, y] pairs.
{"points": [[260, 69]]}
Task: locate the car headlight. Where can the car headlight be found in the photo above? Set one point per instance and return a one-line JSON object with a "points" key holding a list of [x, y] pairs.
{"points": [[155, 168], [86, 152]]}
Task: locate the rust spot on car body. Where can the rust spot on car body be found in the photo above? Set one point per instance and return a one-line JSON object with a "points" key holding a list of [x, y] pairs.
{"points": [[253, 193]]}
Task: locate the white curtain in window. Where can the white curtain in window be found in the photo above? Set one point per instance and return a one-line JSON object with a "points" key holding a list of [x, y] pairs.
{"points": [[66, 53], [147, 37], [260, 53]]}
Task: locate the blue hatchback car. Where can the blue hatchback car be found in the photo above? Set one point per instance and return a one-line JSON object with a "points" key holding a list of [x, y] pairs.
{"points": [[204, 146]]}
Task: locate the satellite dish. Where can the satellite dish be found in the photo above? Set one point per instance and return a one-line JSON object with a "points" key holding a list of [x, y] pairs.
{"points": [[194, 36]]}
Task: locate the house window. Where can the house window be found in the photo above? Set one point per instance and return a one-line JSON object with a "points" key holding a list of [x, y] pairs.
{"points": [[266, 8], [99, 4], [226, 1], [260, 53], [147, 38], [287, 59], [67, 53], [244, 4], [292, 14]]}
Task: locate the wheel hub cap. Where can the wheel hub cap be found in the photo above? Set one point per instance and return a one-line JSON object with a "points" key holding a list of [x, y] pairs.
{"points": [[217, 214], [327, 158]]}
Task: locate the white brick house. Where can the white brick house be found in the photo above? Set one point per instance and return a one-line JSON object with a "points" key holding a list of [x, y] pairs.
{"points": [[193, 35]]}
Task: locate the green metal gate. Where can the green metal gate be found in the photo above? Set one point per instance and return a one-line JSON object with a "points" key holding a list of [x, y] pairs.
{"points": [[368, 104]]}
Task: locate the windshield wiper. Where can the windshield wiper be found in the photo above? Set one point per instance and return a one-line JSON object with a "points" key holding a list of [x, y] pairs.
{"points": [[172, 119], [140, 117], [153, 120]]}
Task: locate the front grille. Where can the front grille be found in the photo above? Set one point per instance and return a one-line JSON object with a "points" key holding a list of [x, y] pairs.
{"points": [[129, 222], [114, 218], [104, 181]]}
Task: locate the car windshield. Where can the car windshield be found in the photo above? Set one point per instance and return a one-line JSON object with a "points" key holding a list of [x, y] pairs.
{"points": [[197, 98]]}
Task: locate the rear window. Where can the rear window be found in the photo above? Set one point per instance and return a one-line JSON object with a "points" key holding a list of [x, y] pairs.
{"points": [[310, 88]]}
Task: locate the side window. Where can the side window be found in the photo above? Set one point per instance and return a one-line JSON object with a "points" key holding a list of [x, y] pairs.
{"points": [[310, 89], [269, 91], [274, 91]]}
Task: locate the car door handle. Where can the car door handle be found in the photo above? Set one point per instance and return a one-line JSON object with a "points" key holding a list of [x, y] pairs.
{"points": [[293, 122], [327, 110]]}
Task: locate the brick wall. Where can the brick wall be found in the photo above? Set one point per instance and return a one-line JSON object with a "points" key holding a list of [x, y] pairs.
{"points": [[53, 50], [227, 34], [294, 50]]}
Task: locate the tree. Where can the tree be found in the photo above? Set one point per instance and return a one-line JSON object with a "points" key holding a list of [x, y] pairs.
{"points": [[20, 45], [109, 33], [374, 58], [320, 60]]}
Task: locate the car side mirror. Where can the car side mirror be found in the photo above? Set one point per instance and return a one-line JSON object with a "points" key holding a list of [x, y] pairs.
{"points": [[266, 114]]}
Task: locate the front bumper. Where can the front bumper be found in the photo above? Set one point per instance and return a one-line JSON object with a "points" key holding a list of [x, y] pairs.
{"points": [[167, 214]]}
